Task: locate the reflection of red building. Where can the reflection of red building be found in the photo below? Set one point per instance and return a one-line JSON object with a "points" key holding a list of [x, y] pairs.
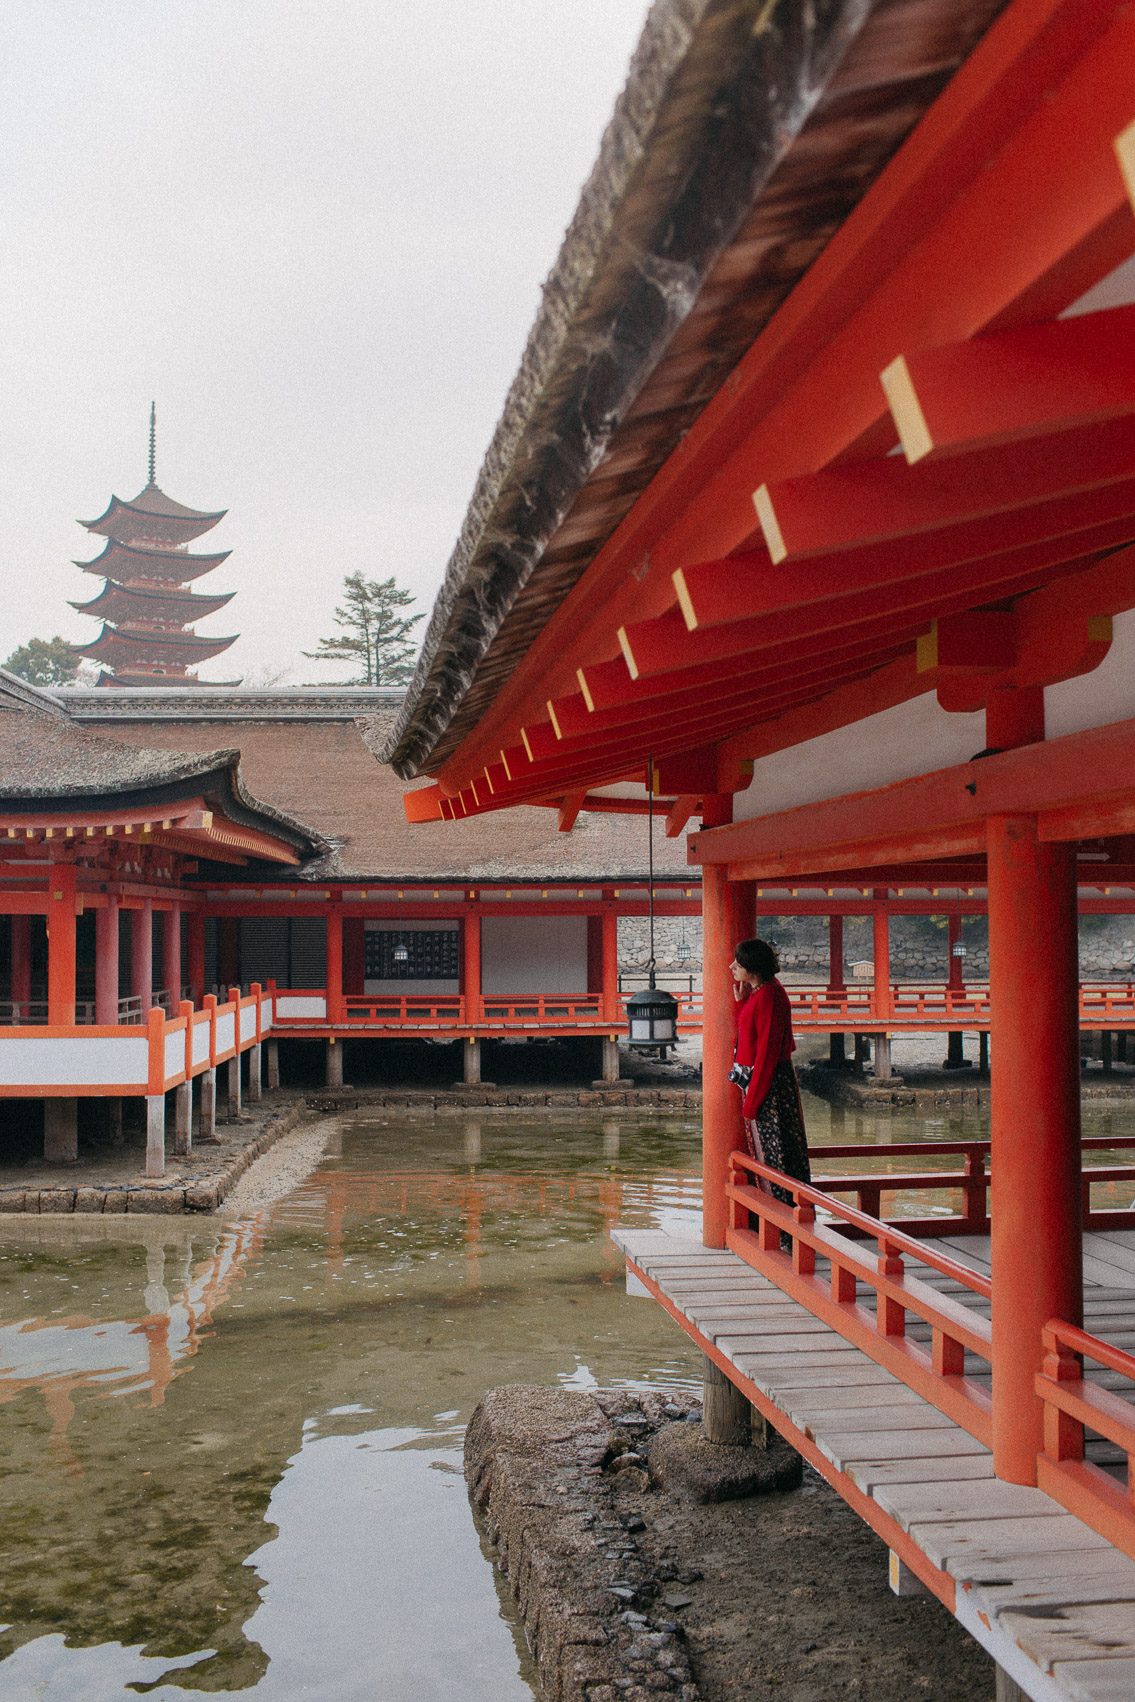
{"points": [[843, 547], [146, 604]]}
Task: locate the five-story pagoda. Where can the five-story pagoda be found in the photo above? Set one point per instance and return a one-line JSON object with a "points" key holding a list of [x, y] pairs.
{"points": [[146, 606]]}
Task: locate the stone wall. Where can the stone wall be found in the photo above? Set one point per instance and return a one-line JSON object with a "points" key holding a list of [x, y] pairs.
{"points": [[918, 945]]}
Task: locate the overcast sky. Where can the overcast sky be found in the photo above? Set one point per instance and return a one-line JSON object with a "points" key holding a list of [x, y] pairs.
{"points": [[315, 232]]}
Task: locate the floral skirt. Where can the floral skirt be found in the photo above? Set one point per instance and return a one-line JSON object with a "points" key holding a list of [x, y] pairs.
{"points": [[776, 1135]]}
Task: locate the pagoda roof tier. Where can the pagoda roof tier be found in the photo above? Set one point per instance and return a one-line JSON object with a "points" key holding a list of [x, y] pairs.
{"points": [[122, 603], [115, 645], [138, 677], [130, 561], [152, 517]]}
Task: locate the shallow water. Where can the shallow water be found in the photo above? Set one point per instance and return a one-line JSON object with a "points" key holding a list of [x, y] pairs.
{"points": [[233, 1449]]}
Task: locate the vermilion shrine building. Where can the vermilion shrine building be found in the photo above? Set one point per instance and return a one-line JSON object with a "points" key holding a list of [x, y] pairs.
{"points": [[817, 494], [195, 874]]}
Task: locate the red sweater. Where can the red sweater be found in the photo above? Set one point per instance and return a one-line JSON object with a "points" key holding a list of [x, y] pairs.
{"points": [[764, 1038]]}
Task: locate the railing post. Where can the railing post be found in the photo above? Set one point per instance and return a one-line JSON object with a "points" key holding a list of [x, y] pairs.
{"points": [[891, 1314], [804, 1255], [1063, 1434], [973, 1189]]}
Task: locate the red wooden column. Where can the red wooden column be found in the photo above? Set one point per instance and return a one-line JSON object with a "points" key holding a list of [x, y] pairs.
{"points": [[723, 915], [472, 980], [171, 955], [837, 1045], [1035, 1158], [21, 962], [106, 961], [881, 925], [142, 954], [195, 951], [335, 964], [61, 945], [611, 1011]]}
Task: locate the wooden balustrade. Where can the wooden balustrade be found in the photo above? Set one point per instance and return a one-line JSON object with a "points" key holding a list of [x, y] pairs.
{"points": [[1073, 1405], [936, 1373]]}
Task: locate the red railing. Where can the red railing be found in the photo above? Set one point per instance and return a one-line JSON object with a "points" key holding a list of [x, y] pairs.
{"points": [[936, 1372], [1073, 1405], [524, 1009], [435, 1009], [972, 1180]]}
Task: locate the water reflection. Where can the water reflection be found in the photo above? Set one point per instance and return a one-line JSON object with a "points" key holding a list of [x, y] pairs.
{"points": [[234, 1449], [232, 1454]]}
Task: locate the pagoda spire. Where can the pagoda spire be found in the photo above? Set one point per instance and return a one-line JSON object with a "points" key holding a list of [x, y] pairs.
{"points": [[146, 604]]}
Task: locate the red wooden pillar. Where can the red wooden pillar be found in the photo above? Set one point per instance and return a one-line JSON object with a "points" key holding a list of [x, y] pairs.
{"points": [[21, 989], [1035, 1113], [611, 1012], [725, 913], [195, 951], [472, 980], [142, 954], [106, 961], [61, 945], [881, 924], [354, 955], [171, 955], [335, 964], [835, 954]]}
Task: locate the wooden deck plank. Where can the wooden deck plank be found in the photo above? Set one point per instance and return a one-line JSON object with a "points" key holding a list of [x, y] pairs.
{"points": [[1088, 1561], [1079, 1633], [1031, 1595], [833, 1396], [812, 1420], [973, 1541], [788, 1370], [1111, 1248], [846, 1448], [961, 1468], [1096, 1680], [934, 1503]]}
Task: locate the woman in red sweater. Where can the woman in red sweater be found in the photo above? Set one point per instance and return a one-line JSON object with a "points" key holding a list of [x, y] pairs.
{"points": [[774, 1117]]}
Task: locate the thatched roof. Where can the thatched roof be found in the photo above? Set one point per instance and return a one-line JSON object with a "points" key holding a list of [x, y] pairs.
{"points": [[748, 130]]}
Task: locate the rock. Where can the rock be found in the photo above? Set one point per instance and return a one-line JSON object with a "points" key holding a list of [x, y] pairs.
{"points": [[676, 1599], [682, 1462], [626, 1459]]}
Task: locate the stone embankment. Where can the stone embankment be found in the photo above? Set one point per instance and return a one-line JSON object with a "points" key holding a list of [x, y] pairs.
{"points": [[198, 1183], [629, 1593], [925, 1089], [350, 1099]]}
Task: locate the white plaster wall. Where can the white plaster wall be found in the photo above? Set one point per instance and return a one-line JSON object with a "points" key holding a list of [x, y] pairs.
{"points": [[534, 954], [78, 1062], [175, 1054], [1094, 700], [295, 1007], [913, 738]]}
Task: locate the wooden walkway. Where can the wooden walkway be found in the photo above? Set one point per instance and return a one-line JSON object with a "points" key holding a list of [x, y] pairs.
{"points": [[1051, 1601]]}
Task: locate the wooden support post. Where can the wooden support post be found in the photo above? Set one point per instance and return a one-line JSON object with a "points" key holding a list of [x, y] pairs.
{"points": [[183, 1119], [255, 1077], [60, 1131], [610, 1070], [983, 1052], [171, 954], [20, 990], [142, 954], [195, 953], [233, 1084], [726, 1413], [1105, 1050], [273, 1064], [882, 1057], [335, 965], [862, 1052], [207, 1120], [155, 1134], [61, 945], [114, 1121], [334, 1064], [471, 1052], [106, 962], [1035, 1118], [610, 922], [472, 978], [837, 1050]]}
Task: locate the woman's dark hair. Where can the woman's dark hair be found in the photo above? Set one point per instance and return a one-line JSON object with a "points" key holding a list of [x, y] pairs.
{"points": [[758, 957]]}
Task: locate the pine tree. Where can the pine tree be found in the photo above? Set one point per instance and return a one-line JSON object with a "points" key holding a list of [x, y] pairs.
{"points": [[375, 636], [44, 662]]}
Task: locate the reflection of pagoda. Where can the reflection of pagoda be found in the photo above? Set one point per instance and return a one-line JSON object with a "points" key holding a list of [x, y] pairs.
{"points": [[145, 604]]}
